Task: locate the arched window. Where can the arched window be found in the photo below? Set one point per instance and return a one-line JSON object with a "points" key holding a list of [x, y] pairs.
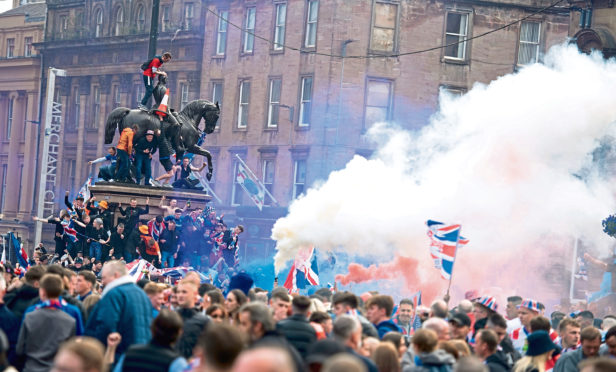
{"points": [[119, 21], [140, 18], [98, 19]]}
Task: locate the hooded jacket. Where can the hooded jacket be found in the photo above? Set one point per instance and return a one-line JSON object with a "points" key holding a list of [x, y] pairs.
{"points": [[438, 360], [387, 326]]}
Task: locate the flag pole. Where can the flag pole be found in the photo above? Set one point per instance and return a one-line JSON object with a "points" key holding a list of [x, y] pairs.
{"points": [[257, 178], [453, 264]]}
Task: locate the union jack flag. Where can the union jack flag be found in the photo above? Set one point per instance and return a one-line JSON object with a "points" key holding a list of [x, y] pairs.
{"points": [[305, 270], [444, 241], [155, 229], [416, 324], [69, 230], [138, 268]]}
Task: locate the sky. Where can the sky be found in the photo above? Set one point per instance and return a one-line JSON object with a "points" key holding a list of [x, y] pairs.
{"points": [[5, 5]]}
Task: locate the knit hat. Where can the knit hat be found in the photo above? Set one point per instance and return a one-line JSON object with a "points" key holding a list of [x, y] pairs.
{"points": [[144, 229], [539, 342], [530, 305], [488, 302], [103, 204]]}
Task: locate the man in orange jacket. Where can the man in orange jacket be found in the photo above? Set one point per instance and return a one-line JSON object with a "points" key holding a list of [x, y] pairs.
{"points": [[124, 150]]}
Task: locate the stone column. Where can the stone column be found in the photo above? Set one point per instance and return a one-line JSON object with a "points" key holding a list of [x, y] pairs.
{"points": [[84, 92], [11, 201], [30, 170]]}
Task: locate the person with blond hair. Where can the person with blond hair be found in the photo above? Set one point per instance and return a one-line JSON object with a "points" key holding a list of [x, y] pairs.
{"points": [[80, 354], [540, 350]]}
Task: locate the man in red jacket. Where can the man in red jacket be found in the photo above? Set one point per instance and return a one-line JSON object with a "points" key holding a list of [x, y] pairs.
{"points": [[149, 74]]}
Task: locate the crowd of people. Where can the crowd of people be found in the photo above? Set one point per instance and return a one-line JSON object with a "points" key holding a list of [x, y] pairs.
{"points": [[89, 232], [73, 319]]}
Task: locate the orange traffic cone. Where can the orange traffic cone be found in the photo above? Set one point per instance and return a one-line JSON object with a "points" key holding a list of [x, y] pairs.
{"points": [[161, 111]]}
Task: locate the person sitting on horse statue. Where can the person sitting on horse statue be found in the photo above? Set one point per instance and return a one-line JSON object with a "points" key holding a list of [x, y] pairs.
{"points": [[152, 69], [185, 181]]}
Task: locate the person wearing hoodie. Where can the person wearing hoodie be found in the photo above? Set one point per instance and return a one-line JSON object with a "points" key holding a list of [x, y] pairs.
{"points": [[486, 343], [427, 356], [378, 312]]}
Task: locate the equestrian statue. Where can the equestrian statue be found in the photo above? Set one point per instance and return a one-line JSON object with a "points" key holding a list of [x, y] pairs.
{"points": [[177, 131]]}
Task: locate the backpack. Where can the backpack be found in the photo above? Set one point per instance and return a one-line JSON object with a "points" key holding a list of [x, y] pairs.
{"points": [[146, 64]]}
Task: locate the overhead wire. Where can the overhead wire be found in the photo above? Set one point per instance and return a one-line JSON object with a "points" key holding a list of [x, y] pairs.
{"points": [[388, 55]]}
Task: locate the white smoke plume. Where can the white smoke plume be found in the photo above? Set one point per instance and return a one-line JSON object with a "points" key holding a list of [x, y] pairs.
{"points": [[502, 160]]}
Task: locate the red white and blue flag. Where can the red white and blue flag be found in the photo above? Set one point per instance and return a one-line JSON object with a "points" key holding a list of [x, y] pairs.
{"points": [[304, 272], [156, 229], [138, 268], [22, 255], [69, 230], [444, 242]]}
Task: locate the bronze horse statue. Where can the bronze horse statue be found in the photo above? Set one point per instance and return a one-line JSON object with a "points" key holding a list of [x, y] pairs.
{"points": [[182, 136]]}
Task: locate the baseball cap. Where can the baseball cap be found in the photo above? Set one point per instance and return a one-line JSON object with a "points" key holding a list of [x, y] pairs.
{"points": [[460, 319], [149, 132]]}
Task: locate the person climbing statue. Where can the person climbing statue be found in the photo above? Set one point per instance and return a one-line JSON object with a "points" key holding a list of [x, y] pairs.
{"points": [[150, 69]]}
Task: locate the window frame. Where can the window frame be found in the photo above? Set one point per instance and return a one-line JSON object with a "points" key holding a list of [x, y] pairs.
{"points": [[118, 23], [165, 18], [28, 47], [5, 173], [236, 188], [246, 36], [538, 44], [139, 22], [10, 48], [269, 186], [76, 107], [223, 20], [96, 108], [469, 31], [390, 103], [240, 104], [184, 94], [189, 21], [99, 22], [279, 29], [296, 162], [271, 104], [308, 23], [10, 112], [396, 27], [116, 96], [214, 84], [302, 101]]}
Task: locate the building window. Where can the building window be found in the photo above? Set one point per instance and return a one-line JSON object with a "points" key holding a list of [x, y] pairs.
{"points": [[21, 179], [139, 93], [217, 93], [189, 11], [9, 119], [305, 103], [4, 176], [244, 102], [96, 107], [299, 177], [119, 21], [273, 111], [98, 21], [10, 48], [236, 190], [249, 26], [63, 25], [221, 35], [28, 46], [528, 49], [311, 24], [279, 27], [384, 27], [70, 172], [456, 31], [378, 102], [166, 19], [116, 96], [269, 171], [140, 18], [183, 95]]}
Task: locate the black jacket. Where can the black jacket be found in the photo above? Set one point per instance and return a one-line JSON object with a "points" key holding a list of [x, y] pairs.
{"points": [[194, 325], [298, 331], [18, 300], [497, 363]]}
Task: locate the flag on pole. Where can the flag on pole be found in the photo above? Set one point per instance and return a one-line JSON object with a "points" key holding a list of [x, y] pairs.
{"points": [[304, 271], [69, 230], [253, 187], [155, 228], [3, 259], [444, 241], [85, 189], [20, 252]]}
